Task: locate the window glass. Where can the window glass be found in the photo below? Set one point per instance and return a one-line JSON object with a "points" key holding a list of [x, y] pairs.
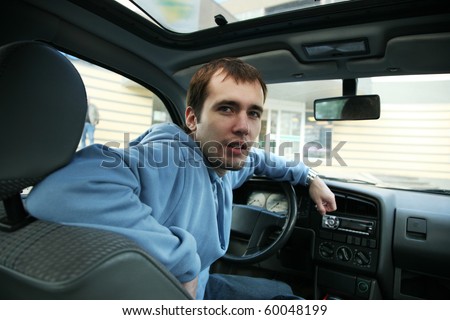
{"points": [[185, 16], [408, 147], [125, 108]]}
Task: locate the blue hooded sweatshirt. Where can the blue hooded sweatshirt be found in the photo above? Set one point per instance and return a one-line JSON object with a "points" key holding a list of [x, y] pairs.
{"points": [[159, 192]]}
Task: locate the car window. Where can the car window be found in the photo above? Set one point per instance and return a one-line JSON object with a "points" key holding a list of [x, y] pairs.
{"points": [[402, 149], [194, 15], [126, 109]]}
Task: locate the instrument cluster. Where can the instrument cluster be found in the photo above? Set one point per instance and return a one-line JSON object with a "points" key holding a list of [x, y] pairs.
{"points": [[271, 201]]}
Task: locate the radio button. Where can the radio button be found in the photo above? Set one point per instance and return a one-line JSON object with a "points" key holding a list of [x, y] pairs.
{"points": [[330, 222]]}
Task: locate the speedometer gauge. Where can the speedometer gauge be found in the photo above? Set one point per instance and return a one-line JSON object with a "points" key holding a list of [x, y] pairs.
{"points": [[257, 199], [277, 202]]}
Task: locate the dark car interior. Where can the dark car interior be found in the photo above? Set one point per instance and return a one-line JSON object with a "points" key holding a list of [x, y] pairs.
{"points": [[381, 243]]}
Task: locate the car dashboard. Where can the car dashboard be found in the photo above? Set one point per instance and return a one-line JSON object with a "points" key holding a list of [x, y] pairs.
{"points": [[379, 243]]}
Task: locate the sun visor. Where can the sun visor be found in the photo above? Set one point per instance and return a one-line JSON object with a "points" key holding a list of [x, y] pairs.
{"points": [[410, 54], [275, 66]]}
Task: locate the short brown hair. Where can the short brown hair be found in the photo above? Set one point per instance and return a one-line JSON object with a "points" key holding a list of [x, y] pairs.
{"points": [[235, 68]]}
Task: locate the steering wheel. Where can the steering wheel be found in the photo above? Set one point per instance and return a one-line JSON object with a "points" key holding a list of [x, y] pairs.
{"points": [[260, 232]]}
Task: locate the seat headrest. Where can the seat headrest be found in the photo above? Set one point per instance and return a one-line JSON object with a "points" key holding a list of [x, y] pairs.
{"points": [[42, 110]]}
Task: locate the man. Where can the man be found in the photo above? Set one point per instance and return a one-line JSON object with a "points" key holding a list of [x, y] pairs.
{"points": [[171, 191]]}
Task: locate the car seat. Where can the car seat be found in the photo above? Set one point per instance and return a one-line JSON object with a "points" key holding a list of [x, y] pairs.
{"points": [[42, 111]]}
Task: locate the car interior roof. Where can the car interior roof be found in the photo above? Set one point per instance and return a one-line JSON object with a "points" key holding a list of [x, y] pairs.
{"points": [[405, 44]]}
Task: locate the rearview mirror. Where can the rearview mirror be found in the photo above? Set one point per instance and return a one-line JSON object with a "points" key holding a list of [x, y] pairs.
{"points": [[365, 107]]}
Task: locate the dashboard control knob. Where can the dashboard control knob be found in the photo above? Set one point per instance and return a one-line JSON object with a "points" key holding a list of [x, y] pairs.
{"points": [[362, 258], [326, 250], [344, 253]]}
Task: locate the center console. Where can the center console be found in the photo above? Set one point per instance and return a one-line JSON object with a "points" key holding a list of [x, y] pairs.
{"points": [[346, 249]]}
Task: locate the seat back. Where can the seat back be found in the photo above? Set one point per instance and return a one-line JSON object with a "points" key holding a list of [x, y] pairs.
{"points": [[42, 110]]}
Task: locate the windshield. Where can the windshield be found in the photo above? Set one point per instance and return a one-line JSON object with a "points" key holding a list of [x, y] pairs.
{"points": [[185, 16], [408, 147]]}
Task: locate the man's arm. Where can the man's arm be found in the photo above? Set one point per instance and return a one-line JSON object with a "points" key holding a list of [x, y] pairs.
{"points": [[86, 194], [277, 168], [191, 287], [322, 196]]}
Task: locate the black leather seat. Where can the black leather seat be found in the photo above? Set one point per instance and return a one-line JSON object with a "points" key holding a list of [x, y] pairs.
{"points": [[42, 110]]}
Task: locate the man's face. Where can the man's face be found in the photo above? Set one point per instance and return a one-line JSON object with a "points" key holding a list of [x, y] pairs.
{"points": [[230, 121]]}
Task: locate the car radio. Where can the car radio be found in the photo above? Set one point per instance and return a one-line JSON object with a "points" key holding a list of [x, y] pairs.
{"points": [[355, 226]]}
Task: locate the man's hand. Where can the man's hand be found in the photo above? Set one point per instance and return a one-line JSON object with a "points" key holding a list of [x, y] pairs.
{"points": [[322, 196], [191, 287]]}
